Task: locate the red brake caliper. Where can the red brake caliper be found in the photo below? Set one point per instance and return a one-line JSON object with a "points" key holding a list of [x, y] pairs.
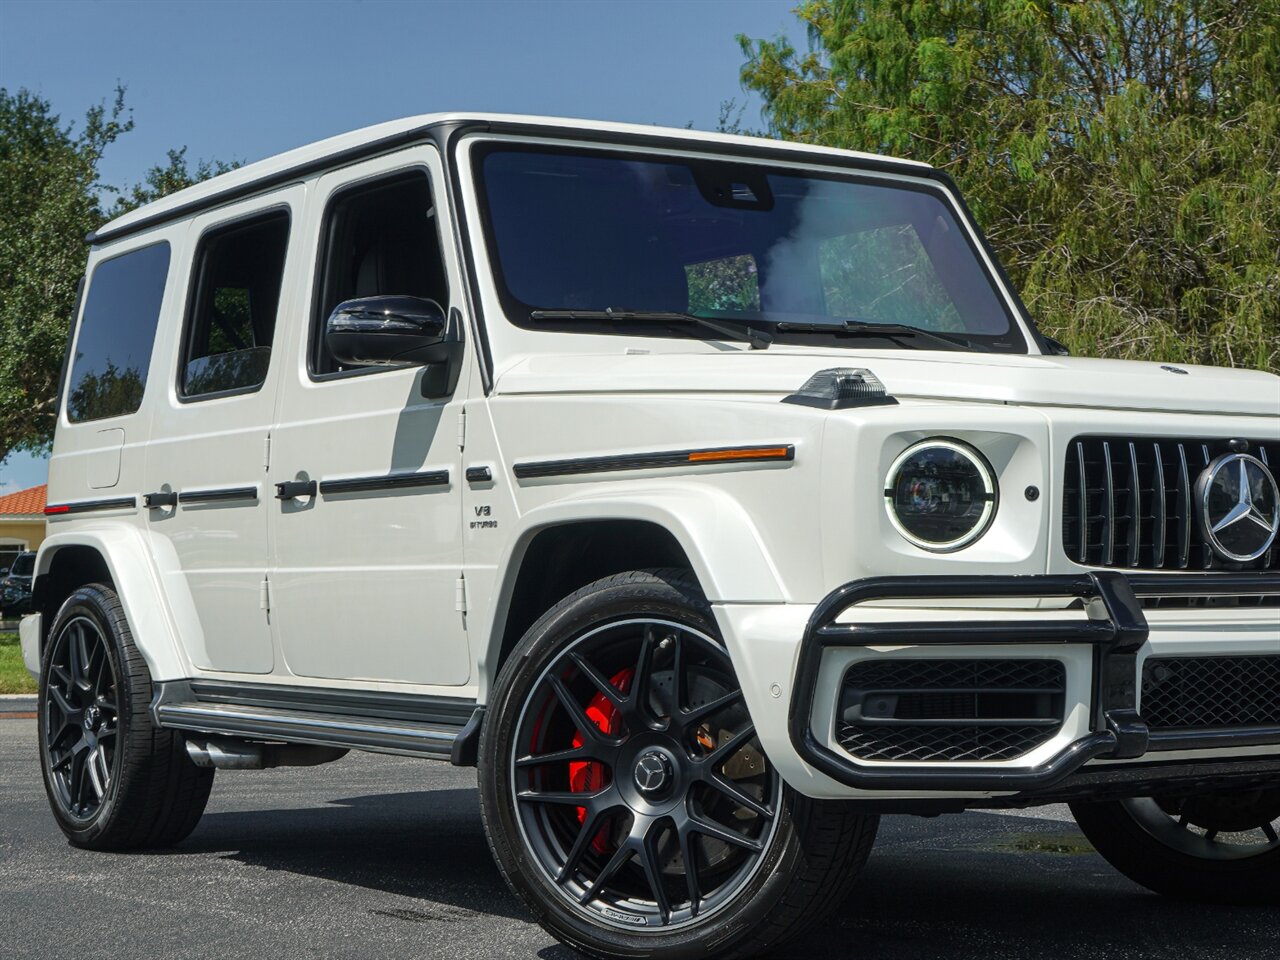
{"points": [[588, 776]]}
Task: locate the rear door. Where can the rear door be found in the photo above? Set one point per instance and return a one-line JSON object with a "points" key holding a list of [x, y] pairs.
{"points": [[206, 462], [365, 571]]}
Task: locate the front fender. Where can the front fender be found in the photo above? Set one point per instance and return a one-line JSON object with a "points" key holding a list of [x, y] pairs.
{"points": [[127, 555], [714, 530]]}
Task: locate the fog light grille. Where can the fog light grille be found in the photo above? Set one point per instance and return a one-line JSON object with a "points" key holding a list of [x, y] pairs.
{"points": [[928, 711], [1211, 691]]}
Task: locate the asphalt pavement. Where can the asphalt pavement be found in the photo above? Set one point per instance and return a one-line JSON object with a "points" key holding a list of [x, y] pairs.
{"points": [[384, 857]]}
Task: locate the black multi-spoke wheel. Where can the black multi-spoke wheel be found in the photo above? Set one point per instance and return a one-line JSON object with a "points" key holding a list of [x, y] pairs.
{"points": [[114, 780], [83, 717], [626, 794], [1222, 847], [643, 790]]}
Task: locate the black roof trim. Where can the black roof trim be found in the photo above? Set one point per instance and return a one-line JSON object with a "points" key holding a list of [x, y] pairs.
{"points": [[659, 138], [418, 134], [262, 184]]}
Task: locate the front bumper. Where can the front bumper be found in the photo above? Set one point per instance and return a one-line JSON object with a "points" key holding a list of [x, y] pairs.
{"points": [[1115, 630], [792, 676]]}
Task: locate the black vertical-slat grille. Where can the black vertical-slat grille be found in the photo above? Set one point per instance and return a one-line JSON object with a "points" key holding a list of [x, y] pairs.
{"points": [[1130, 502]]}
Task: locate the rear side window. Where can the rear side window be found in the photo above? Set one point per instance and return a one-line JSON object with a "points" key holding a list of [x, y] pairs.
{"points": [[231, 319], [117, 331], [380, 239]]}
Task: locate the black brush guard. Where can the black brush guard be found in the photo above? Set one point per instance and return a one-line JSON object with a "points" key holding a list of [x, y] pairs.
{"points": [[1116, 629]]}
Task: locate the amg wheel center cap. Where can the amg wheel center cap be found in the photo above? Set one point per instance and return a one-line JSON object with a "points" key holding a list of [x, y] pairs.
{"points": [[652, 772], [90, 718]]}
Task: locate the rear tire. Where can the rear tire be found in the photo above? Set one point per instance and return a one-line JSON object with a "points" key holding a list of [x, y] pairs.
{"points": [[1222, 848], [569, 687], [115, 780]]}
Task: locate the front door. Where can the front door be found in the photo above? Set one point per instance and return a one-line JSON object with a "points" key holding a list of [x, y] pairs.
{"points": [[365, 570]]}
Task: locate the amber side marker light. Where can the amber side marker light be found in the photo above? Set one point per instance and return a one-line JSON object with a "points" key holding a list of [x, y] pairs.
{"points": [[742, 453]]}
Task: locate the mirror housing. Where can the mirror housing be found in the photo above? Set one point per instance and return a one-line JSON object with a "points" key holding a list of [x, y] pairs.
{"points": [[388, 331]]}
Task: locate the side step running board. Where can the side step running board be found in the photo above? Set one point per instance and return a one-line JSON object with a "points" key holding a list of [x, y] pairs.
{"points": [[399, 724], [384, 736]]}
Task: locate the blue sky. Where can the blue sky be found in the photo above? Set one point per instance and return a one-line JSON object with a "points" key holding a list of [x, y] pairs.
{"points": [[241, 81]]}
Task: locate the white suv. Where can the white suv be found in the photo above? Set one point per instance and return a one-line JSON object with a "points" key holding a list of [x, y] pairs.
{"points": [[713, 495]]}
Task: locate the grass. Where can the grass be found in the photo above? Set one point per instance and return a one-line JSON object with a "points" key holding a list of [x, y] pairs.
{"points": [[13, 675]]}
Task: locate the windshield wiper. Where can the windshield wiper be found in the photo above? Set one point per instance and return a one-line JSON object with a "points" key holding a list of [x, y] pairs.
{"points": [[895, 332], [757, 339]]}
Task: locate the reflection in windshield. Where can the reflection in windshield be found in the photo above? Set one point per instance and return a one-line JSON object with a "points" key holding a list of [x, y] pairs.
{"points": [[588, 230]]}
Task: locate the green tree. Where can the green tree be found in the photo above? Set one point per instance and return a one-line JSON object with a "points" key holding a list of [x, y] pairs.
{"points": [[1122, 155], [51, 196]]}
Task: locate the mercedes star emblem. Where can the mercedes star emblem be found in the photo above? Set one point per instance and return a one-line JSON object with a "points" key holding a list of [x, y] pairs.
{"points": [[1239, 507], [652, 771]]}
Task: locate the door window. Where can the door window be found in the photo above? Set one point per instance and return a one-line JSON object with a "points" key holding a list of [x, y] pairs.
{"points": [[238, 273], [380, 239], [117, 332]]}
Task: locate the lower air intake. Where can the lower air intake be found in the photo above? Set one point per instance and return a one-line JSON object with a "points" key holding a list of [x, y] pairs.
{"points": [[931, 711], [1211, 691]]}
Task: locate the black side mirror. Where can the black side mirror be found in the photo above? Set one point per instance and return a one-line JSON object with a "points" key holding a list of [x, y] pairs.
{"points": [[385, 331], [1056, 347]]}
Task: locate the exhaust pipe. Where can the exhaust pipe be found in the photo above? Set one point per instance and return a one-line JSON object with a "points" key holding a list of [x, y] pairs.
{"points": [[225, 753]]}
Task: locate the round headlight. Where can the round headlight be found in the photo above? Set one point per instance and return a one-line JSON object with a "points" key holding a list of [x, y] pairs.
{"points": [[941, 495]]}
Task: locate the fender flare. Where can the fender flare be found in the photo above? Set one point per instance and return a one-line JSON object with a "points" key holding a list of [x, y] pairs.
{"points": [[127, 554], [716, 533]]}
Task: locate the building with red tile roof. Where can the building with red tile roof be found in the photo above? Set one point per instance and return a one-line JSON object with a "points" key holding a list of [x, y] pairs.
{"points": [[21, 522]]}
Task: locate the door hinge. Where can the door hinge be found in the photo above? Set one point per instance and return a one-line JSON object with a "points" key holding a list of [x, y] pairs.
{"points": [[460, 595], [462, 429], [266, 452], [264, 596]]}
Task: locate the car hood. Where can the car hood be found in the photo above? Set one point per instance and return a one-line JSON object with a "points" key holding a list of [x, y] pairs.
{"points": [[994, 378]]}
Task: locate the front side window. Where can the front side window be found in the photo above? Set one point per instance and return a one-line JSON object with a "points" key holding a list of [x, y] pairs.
{"points": [[117, 331], [380, 239], [238, 272], [587, 231]]}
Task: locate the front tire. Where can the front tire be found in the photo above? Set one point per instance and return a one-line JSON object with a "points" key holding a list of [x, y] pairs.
{"points": [[625, 795], [1220, 848], [115, 780]]}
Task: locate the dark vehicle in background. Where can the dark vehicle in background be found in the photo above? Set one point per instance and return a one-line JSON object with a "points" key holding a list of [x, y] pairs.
{"points": [[15, 586]]}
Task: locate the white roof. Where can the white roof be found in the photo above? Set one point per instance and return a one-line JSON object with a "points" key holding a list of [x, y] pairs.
{"points": [[318, 151]]}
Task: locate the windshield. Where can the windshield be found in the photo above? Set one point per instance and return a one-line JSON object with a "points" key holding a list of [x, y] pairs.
{"points": [[589, 230], [23, 565]]}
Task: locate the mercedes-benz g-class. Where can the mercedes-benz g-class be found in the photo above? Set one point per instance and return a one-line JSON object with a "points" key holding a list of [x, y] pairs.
{"points": [[712, 495]]}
